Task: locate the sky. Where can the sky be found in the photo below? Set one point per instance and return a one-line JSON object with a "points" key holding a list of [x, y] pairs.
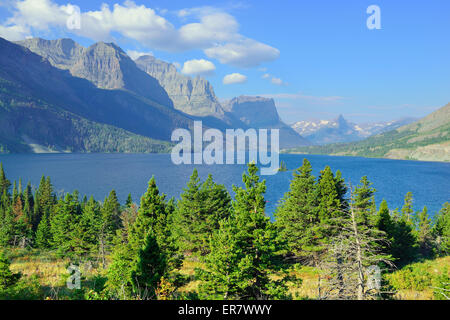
{"points": [[317, 59]]}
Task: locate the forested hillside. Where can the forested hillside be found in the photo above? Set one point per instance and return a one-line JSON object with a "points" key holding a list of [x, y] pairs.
{"points": [[426, 139], [208, 245]]}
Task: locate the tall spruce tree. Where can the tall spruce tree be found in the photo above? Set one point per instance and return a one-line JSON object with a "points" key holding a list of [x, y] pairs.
{"points": [[149, 267], [363, 203], [297, 216], [7, 277], [441, 230], [425, 234], [198, 213]]}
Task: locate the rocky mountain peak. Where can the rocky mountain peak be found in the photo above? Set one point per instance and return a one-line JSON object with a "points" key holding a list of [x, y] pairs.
{"points": [[194, 96], [106, 65]]}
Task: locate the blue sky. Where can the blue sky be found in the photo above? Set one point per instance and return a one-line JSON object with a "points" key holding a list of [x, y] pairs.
{"points": [[317, 58]]}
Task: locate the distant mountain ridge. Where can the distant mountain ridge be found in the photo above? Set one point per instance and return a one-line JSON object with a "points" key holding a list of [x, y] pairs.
{"points": [[427, 139], [322, 132]]}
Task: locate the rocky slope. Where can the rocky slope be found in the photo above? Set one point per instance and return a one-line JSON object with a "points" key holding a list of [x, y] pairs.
{"points": [[194, 96]]}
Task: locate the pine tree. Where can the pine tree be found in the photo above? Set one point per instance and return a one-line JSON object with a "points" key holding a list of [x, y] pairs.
{"points": [[153, 216], [363, 203], [256, 238], [227, 269], [425, 234], [86, 233], [407, 209], [63, 222], [297, 216], [43, 233], [109, 223], [330, 206], [28, 206], [244, 249], [404, 245], [129, 201], [198, 213], [7, 278], [7, 227], [5, 184], [441, 230], [149, 268], [384, 223]]}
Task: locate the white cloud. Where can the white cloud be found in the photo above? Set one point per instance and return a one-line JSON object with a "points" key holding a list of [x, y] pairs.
{"points": [[200, 67], [136, 54], [277, 81], [265, 76], [234, 78], [212, 30], [244, 53]]}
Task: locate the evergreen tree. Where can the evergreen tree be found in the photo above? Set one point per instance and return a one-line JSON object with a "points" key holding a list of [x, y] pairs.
{"points": [[153, 216], [227, 269], [63, 223], [297, 216], [407, 209], [149, 268], [7, 278], [257, 239], [363, 203], [86, 233], [129, 201], [384, 223], [109, 223], [330, 205], [441, 230], [425, 234], [7, 227], [5, 184], [198, 213], [43, 233]]}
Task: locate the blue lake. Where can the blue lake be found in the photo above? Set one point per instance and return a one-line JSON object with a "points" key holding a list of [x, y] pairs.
{"points": [[97, 174]]}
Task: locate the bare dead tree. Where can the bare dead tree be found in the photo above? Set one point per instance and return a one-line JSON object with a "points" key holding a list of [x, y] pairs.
{"points": [[353, 254]]}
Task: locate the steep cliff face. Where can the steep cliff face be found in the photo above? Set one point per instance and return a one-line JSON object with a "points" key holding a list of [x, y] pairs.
{"points": [[253, 111], [104, 64], [194, 96], [259, 112]]}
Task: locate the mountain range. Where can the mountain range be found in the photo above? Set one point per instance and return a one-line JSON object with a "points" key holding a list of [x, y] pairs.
{"points": [[58, 96], [341, 130], [427, 139]]}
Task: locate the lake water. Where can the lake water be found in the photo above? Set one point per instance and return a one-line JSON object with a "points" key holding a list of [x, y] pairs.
{"points": [[97, 174]]}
